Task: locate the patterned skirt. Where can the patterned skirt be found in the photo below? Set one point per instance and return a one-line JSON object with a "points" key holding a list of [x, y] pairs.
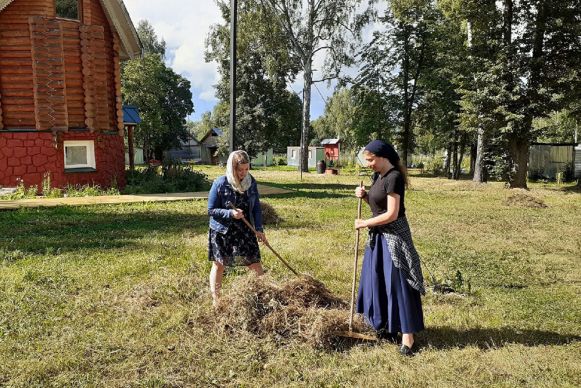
{"points": [[238, 246]]}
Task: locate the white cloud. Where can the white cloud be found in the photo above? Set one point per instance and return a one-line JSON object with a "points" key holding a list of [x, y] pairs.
{"points": [[184, 25]]}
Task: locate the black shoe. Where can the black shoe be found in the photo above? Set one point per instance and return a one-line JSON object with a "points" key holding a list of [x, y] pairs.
{"points": [[406, 351], [385, 335]]}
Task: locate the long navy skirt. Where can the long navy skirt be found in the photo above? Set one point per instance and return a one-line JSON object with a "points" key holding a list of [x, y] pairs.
{"points": [[386, 300]]}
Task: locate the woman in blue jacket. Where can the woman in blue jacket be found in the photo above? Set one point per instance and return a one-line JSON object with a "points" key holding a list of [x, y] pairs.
{"points": [[231, 242]]}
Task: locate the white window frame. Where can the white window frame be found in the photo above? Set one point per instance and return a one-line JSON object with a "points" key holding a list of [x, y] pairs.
{"points": [[90, 144]]}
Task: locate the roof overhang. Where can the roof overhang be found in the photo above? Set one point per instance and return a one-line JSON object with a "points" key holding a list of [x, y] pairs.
{"points": [[121, 23]]}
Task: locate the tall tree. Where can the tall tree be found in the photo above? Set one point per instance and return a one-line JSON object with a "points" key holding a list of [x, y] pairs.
{"points": [[311, 27], [395, 60], [267, 114], [531, 69], [163, 97], [149, 41]]}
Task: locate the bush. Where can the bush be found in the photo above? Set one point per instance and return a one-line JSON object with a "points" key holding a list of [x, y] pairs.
{"points": [[279, 160], [22, 192], [171, 177]]}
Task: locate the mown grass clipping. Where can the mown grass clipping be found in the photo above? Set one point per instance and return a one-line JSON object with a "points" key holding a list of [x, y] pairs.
{"points": [[301, 309]]}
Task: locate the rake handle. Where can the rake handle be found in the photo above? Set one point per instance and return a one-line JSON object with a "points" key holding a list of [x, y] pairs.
{"points": [[266, 243], [357, 234]]}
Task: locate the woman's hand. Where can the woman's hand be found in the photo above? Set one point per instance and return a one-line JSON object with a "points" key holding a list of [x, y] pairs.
{"points": [[360, 192], [261, 237], [359, 223], [237, 214]]}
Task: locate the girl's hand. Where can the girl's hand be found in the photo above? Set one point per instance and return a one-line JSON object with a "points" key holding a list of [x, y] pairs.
{"points": [[359, 223], [360, 192], [261, 237], [237, 214]]}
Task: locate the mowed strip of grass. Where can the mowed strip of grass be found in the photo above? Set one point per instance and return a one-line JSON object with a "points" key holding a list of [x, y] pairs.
{"points": [[116, 295]]}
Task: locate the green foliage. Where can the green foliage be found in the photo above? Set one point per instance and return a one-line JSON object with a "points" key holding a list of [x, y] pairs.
{"points": [[170, 177], [88, 190], [149, 39], [22, 191], [163, 97], [267, 114]]}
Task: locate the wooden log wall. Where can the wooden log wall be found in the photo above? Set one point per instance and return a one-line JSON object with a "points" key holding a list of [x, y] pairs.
{"points": [[118, 97], [18, 97], [16, 77], [99, 18], [48, 67], [1, 120]]}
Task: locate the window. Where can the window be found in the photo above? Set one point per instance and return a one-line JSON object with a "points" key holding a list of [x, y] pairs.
{"points": [[310, 154], [79, 154], [293, 154], [67, 9]]}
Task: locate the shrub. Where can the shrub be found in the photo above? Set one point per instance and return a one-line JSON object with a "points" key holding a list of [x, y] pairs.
{"points": [[169, 178]]}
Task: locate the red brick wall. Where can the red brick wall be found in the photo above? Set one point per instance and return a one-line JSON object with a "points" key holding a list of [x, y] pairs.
{"points": [[28, 155]]}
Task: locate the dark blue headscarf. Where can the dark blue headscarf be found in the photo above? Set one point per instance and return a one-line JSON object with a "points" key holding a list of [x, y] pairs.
{"points": [[384, 150]]}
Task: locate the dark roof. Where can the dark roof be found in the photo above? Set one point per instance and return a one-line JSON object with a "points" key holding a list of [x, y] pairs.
{"points": [[212, 132], [131, 115], [330, 141]]}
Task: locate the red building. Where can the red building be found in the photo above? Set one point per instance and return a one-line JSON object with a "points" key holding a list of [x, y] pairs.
{"points": [[60, 90], [332, 148]]}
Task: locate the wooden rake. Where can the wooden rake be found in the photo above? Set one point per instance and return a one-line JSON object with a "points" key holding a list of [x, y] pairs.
{"points": [[231, 205], [351, 333]]}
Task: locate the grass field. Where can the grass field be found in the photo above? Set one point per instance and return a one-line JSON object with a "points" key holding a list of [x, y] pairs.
{"points": [[116, 295]]}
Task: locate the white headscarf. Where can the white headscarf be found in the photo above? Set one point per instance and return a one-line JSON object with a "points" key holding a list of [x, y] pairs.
{"points": [[236, 158]]}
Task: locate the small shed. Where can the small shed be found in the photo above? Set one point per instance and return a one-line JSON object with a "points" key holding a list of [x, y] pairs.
{"points": [[332, 148], [546, 160], [131, 120], [263, 159], [315, 154]]}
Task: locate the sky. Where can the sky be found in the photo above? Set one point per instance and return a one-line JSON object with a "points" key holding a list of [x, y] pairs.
{"points": [[184, 25]]}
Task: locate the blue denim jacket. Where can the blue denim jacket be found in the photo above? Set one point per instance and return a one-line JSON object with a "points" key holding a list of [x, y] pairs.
{"points": [[221, 215]]}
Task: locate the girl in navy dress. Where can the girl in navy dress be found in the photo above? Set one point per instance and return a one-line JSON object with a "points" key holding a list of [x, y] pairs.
{"points": [[230, 241], [391, 278]]}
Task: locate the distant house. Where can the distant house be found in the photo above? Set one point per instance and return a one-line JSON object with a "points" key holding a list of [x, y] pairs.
{"points": [[315, 154], [332, 148], [188, 151], [60, 90], [209, 146]]}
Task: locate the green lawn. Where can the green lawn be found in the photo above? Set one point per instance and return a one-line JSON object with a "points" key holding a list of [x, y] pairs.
{"points": [[116, 295]]}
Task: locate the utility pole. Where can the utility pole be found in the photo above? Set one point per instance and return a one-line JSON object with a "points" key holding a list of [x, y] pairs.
{"points": [[233, 34]]}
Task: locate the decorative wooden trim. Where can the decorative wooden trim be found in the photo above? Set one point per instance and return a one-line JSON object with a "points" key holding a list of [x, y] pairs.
{"points": [[117, 71], [48, 67]]}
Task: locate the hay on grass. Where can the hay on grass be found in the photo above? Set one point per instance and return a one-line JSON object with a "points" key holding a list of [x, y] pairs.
{"points": [[520, 199], [302, 309], [269, 215]]}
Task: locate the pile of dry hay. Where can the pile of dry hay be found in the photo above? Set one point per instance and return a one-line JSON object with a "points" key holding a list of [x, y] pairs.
{"points": [[300, 309], [269, 215], [520, 199]]}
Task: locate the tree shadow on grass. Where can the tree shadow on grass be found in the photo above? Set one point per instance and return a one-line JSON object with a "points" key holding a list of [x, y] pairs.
{"points": [[314, 190], [69, 229], [447, 338]]}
